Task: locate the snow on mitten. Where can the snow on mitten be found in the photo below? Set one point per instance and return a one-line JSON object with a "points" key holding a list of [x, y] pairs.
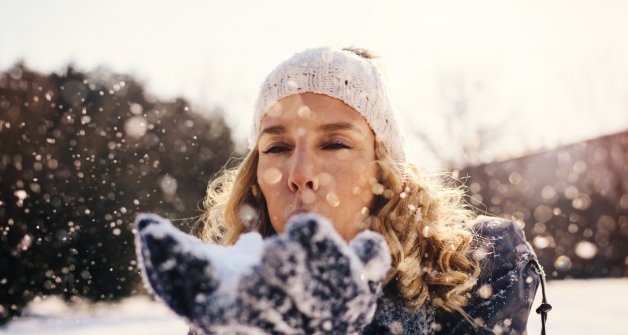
{"points": [[306, 281], [311, 282], [196, 280]]}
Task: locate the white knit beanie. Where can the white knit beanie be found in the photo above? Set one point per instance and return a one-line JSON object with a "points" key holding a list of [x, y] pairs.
{"points": [[340, 74]]}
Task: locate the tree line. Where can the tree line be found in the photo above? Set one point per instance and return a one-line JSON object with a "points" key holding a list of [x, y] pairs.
{"points": [[82, 152]]}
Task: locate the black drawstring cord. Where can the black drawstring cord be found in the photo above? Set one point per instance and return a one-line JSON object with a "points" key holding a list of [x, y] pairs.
{"points": [[544, 308]]}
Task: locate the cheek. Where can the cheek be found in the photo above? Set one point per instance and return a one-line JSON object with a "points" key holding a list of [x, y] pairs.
{"points": [[269, 180], [356, 183], [268, 177]]}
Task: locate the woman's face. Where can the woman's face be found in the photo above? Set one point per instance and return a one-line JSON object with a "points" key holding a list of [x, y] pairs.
{"points": [[316, 154]]}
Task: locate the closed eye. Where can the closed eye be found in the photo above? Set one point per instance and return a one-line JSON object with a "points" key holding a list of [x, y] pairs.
{"points": [[276, 149], [335, 146]]}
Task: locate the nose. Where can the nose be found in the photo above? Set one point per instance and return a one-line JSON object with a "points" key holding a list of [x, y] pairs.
{"points": [[302, 172]]}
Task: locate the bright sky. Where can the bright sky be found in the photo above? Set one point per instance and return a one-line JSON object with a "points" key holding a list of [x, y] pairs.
{"points": [[548, 72]]}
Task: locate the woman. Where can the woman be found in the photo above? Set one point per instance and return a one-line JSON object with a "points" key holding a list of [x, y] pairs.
{"points": [[325, 140]]}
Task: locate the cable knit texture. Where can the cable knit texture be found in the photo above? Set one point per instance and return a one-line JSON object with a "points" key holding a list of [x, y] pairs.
{"points": [[340, 74]]}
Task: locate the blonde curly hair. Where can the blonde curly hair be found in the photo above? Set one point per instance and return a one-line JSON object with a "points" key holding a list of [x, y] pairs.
{"points": [[424, 219]]}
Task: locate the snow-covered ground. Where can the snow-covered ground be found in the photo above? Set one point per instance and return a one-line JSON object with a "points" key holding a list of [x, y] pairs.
{"points": [[138, 316], [597, 306], [580, 307]]}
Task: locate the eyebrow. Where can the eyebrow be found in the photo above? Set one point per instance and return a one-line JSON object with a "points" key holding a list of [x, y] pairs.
{"points": [[329, 127], [273, 130]]}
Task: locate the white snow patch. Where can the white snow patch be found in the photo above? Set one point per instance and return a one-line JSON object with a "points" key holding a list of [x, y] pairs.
{"points": [[595, 306], [228, 262], [137, 315], [603, 313]]}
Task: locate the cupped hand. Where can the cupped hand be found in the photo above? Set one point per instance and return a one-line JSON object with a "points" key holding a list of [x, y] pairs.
{"points": [[305, 281]]}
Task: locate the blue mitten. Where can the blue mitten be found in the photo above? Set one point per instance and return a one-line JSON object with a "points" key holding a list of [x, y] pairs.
{"points": [[306, 281]]}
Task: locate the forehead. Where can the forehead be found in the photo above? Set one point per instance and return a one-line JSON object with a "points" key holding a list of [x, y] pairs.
{"points": [[313, 109]]}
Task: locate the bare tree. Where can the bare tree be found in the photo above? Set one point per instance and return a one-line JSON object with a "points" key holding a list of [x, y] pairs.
{"points": [[469, 132]]}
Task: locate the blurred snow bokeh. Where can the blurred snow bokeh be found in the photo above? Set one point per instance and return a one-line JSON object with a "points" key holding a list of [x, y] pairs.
{"points": [[580, 307]]}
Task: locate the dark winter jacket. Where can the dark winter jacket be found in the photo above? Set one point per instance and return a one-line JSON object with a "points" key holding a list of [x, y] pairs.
{"points": [[501, 300], [182, 277]]}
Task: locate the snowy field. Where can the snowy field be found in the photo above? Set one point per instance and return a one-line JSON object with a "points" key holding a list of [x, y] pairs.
{"points": [[580, 307]]}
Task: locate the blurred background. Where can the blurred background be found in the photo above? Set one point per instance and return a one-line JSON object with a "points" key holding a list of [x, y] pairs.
{"points": [[108, 109]]}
